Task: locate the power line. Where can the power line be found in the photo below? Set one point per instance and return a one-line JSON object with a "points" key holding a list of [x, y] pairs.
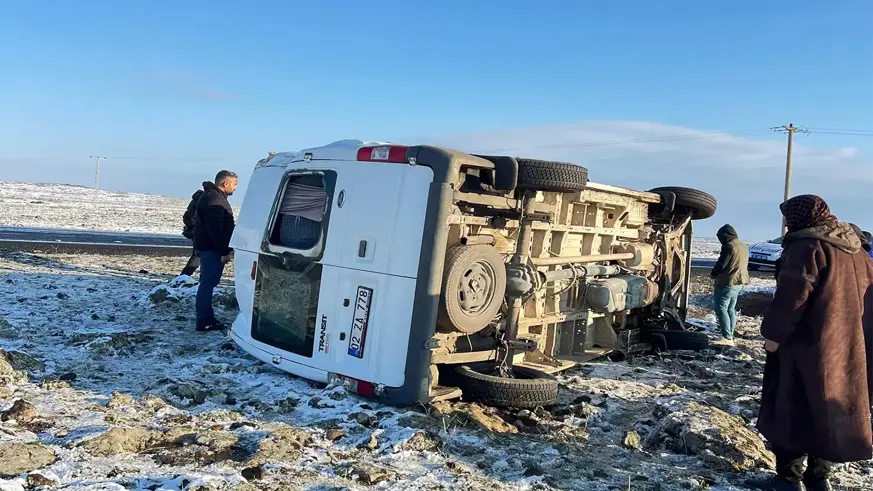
{"points": [[845, 133], [841, 130]]}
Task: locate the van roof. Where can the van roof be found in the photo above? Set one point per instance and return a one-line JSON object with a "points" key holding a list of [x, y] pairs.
{"points": [[338, 150]]}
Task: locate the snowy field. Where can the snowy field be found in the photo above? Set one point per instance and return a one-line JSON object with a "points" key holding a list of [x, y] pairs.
{"points": [[103, 388], [74, 207], [80, 208]]}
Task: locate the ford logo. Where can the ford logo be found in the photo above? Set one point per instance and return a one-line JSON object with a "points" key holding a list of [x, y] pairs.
{"points": [[341, 198]]}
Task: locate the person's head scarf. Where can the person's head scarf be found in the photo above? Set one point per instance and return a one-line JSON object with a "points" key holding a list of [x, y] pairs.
{"points": [[806, 211]]}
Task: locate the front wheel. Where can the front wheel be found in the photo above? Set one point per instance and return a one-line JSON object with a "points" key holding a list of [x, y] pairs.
{"points": [[529, 389], [698, 204]]}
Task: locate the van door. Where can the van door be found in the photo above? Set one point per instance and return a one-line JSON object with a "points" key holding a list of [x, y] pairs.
{"points": [[346, 308]]}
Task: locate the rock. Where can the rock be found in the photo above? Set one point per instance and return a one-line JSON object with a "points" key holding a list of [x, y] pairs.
{"points": [[230, 400], [8, 374], [24, 362], [718, 437], [422, 441], [632, 440], [95, 317], [369, 474], [37, 480], [62, 296], [54, 384], [488, 419], [120, 441], [21, 411], [117, 400], [335, 434], [16, 458], [528, 418], [153, 402], [283, 445], [161, 294], [253, 473], [371, 444], [69, 377], [182, 446], [362, 418], [755, 303], [190, 392]]}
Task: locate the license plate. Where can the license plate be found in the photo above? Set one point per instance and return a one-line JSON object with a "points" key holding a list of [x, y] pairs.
{"points": [[759, 257], [360, 319]]}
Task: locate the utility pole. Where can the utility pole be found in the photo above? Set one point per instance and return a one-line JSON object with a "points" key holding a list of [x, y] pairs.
{"points": [[791, 130], [97, 171]]}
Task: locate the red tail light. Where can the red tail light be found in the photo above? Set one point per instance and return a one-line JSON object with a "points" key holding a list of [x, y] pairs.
{"points": [[387, 153], [360, 387], [254, 270]]}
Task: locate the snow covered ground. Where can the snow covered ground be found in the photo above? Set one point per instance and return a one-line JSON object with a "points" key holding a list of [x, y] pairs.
{"points": [[124, 394], [75, 207]]}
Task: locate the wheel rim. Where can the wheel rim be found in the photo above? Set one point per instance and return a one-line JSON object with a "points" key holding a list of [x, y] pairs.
{"points": [[476, 288]]}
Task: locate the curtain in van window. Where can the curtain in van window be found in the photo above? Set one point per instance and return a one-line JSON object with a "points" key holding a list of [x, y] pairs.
{"points": [[304, 201]]}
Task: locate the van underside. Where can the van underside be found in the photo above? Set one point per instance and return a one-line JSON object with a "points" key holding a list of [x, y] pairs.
{"points": [[489, 273]]}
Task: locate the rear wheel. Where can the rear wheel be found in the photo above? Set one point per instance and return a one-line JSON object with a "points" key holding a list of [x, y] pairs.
{"points": [[700, 205], [529, 389], [545, 175], [474, 284]]}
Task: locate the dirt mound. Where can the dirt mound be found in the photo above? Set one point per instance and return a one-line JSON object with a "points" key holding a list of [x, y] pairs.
{"points": [[16, 458], [722, 439]]}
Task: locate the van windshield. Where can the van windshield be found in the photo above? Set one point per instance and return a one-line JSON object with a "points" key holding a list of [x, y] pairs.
{"points": [[286, 304]]}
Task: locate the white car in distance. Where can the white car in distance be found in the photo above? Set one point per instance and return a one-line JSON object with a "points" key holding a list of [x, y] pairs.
{"points": [[765, 254]]}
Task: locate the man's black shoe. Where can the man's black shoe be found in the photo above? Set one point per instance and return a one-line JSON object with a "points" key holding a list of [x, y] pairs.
{"points": [[775, 484], [211, 325]]}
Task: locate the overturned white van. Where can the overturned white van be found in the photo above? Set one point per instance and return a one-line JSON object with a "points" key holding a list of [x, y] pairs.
{"points": [[416, 273]]}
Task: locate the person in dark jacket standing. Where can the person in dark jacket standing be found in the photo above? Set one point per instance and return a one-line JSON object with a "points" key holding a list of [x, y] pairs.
{"points": [[730, 273], [188, 221], [818, 376], [212, 231]]}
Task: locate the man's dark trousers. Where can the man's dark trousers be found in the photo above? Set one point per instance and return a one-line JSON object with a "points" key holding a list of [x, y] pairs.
{"points": [[211, 269]]}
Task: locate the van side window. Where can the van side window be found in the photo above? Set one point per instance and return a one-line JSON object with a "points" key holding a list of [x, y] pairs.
{"points": [[301, 211]]}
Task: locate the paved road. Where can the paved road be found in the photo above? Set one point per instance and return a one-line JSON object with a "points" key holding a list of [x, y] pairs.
{"points": [[80, 241]]}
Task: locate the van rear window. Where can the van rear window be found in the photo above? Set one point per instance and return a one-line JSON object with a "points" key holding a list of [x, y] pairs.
{"points": [[286, 304], [301, 213]]}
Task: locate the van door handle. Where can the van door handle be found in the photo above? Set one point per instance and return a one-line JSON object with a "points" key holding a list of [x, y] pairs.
{"points": [[362, 249]]}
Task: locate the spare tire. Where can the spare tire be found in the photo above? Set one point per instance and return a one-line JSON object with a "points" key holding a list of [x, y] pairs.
{"points": [[474, 284], [670, 340], [700, 205], [529, 389], [545, 175]]}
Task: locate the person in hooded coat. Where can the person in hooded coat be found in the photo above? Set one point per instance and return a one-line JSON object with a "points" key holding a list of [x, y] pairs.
{"points": [[818, 376], [189, 220], [730, 273]]}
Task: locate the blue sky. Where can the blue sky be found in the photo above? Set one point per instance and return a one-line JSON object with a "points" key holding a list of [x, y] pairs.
{"points": [[173, 91]]}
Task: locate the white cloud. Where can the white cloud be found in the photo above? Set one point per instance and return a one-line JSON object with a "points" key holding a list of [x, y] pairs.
{"points": [[745, 170]]}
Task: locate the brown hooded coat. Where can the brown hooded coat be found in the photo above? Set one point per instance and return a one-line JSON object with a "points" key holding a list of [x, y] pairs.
{"points": [[818, 385]]}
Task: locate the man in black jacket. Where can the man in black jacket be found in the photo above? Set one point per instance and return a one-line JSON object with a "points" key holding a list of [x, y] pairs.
{"points": [[212, 231], [189, 223]]}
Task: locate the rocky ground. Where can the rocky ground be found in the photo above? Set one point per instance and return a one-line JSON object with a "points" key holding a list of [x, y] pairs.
{"points": [[105, 385]]}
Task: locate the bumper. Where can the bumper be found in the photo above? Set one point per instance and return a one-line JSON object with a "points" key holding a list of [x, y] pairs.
{"points": [[240, 336]]}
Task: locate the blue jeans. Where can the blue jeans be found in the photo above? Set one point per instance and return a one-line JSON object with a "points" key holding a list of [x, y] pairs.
{"points": [[211, 270], [726, 309]]}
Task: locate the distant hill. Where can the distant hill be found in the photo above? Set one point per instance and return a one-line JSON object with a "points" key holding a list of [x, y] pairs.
{"points": [[81, 208]]}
